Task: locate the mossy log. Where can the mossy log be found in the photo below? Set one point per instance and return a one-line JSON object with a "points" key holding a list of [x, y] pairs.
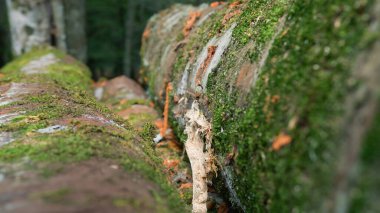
{"points": [[290, 89], [61, 151]]}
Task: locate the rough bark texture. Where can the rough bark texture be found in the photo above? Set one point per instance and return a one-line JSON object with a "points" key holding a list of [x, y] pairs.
{"points": [[29, 23], [290, 89], [55, 22], [60, 151]]}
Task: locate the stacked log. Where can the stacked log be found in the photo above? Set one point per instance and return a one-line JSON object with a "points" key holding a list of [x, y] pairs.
{"points": [[280, 96]]}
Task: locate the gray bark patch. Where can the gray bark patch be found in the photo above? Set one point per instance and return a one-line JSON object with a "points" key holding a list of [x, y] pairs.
{"points": [[6, 138], [52, 129], [222, 43], [40, 65]]}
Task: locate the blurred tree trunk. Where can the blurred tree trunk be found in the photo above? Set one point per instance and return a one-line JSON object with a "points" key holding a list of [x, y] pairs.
{"points": [[58, 19], [55, 22], [75, 22], [29, 24], [5, 54], [129, 28]]}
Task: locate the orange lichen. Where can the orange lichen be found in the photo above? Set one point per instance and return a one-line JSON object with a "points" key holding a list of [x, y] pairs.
{"points": [[171, 164], [216, 4], [186, 186], [210, 54], [169, 88], [159, 123], [275, 99], [234, 4], [193, 17], [123, 101], [146, 33], [101, 83], [170, 145], [281, 140], [230, 15]]}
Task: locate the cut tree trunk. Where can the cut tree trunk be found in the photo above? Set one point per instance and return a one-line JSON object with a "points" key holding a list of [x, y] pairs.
{"points": [[61, 151], [54, 22], [290, 89]]}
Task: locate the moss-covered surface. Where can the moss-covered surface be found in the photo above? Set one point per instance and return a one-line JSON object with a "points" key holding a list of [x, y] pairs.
{"points": [[301, 90], [365, 196], [60, 96]]}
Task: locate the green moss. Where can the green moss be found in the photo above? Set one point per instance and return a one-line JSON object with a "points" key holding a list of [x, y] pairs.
{"points": [[307, 72], [123, 202], [56, 196], [59, 147], [309, 65], [65, 98], [364, 196]]}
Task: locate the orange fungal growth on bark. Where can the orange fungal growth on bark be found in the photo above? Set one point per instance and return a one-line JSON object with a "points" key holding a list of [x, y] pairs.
{"points": [[171, 164], [146, 33], [210, 54], [169, 88], [230, 15], [159, 123], [186, 186], [234, 4], [281, 140], [193, 17], [216, 4]]}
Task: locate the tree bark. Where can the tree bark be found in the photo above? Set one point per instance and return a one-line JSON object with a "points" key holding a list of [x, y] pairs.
{"points": [[290, 99], [58, 19], [53, 22], [60, 150], [29, 24]]}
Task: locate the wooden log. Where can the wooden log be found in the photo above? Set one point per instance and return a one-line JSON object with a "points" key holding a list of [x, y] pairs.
{"points": [[61, 151], [290, 89]]}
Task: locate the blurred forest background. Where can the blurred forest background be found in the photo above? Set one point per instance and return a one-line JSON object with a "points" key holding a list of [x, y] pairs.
{"points": [[113, 33]]}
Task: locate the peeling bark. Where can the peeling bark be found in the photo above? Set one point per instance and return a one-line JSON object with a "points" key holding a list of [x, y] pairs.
{"points": [[199, 151]]}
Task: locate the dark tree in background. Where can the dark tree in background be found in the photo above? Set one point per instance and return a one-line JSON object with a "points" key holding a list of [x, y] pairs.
{"points": [[5, 48], [114, 30]]}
